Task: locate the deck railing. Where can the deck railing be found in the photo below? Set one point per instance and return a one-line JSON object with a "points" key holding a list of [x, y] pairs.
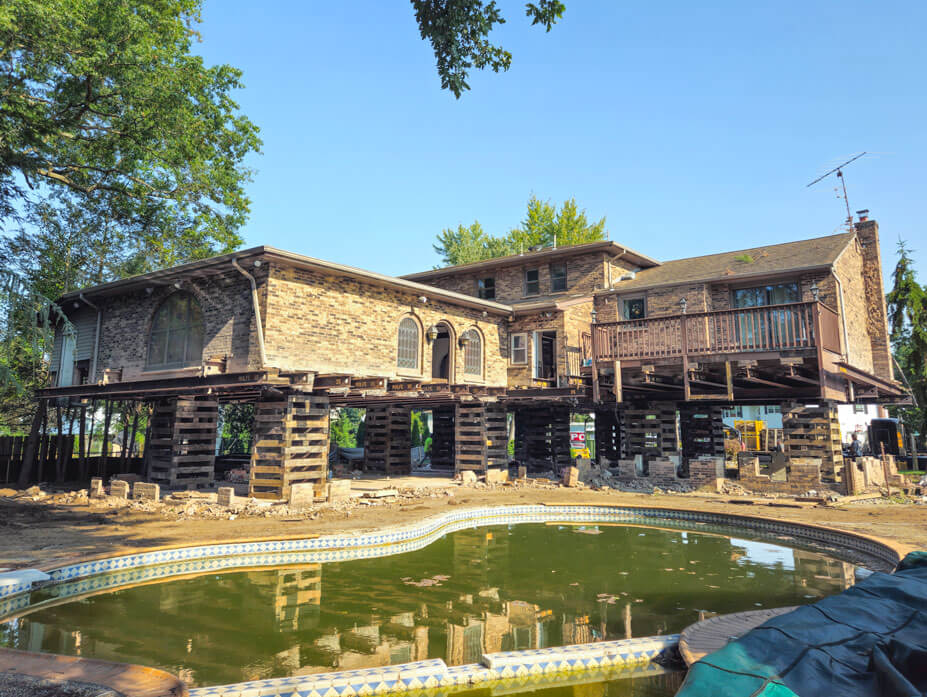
{"points": [[743, 330]]}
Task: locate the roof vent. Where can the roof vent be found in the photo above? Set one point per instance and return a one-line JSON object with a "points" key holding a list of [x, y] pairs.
{"points": [[627, 276]]}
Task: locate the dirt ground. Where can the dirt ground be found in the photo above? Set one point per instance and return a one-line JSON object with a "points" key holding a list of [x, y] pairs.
{"points": [[46, 531]]}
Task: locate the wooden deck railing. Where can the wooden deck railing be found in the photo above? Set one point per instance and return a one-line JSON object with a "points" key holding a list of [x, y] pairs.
{"points": [[574, 361], [742, 330]]}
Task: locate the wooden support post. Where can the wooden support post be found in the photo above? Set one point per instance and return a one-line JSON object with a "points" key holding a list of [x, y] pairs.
{"points": [[183, 442], [32, 445], [729, 380], [596, 396], [619, 397], [103, 465], [686, 389], [82, 445]]}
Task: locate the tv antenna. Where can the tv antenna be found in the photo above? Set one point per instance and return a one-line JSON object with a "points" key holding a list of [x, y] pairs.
{"points": [[839, 170]]}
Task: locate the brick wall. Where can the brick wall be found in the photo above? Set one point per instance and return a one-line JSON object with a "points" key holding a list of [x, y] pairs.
{"points": [[229, 326], [585, 274], [519, 375], [330, 324], [803, 474], [850, 270]]}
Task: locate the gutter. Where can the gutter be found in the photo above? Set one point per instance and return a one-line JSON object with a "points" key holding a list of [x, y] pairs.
{"points": [[96, 338], [257, 310]]}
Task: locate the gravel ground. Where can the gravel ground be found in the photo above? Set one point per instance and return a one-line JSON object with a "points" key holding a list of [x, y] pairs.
{"points": [[16, 685]]}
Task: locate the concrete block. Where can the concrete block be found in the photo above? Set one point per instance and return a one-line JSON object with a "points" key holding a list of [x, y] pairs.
{"points": [[128, 477], [570, 476], [522, 472], [146, 490], [226, 496], [301, 495], [468, 477], [119, 489], [497, 475], [96, 488], [339, 490]]}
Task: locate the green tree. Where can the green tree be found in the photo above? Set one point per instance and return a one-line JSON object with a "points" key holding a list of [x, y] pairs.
{"points": [[459, 29], [544, 225], [344, 427], [907, 316], [103, 100]]}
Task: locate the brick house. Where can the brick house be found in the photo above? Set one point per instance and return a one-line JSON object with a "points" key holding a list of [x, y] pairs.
{"points": [[595, 327]]}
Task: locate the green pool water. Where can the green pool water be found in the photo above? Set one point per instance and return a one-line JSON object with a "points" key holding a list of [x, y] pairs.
{"points": [[471, 592]]}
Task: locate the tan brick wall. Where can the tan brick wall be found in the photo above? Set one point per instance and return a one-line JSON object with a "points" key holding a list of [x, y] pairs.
{"points": [[585, 274], [519, 375], [229, 326], [850, 271], [332, 324]]}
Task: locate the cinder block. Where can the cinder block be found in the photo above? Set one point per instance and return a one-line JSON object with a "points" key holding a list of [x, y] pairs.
{"points": [[146, 490], [119, 489], [339, 490], [468, 477], [522, 472], [302, 494], [226, 496], [96, 488]]}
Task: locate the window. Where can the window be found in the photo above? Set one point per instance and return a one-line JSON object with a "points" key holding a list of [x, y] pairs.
{"points": [[519, 348], [176, 333], [486, 288], [473, 353], [407, 353], [777, 294], [558, 278], [532, 282], [633, 308]]}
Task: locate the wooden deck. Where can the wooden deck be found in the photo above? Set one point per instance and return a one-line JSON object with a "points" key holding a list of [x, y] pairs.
{"points": [[705, 637], [125, 678]]}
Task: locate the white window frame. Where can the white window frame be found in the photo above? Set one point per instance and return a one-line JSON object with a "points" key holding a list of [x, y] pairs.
{"points": [[524, 337]]}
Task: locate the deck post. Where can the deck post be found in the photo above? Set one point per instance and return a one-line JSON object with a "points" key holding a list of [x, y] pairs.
{"points": [[684, 340], [619, 397], [818, 344]]}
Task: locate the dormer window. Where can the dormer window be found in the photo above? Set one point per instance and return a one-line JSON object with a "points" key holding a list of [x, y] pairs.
{"points": [[486, 288], [532, 282], [558, 278]]}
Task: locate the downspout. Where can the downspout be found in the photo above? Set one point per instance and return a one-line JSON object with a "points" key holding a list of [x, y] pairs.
{"points": [[843, 316], [257, 310], [96, 338]]}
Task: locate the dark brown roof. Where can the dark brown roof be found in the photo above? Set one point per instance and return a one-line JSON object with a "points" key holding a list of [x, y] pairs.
{"points": [[605, 246], [730, 266]]}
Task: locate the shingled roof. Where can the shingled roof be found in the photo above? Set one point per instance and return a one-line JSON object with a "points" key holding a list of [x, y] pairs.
{"points": [[771, 259]]}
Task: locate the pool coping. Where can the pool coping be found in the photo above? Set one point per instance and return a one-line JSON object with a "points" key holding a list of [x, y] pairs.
{"points": [[88, 576]]}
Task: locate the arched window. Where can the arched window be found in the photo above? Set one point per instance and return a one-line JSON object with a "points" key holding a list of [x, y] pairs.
{"points": [[176, 333], [407, 355], [473, 352]]}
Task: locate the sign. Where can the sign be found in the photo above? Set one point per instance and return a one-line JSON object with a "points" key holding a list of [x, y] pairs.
{"points": [[577, 437]]}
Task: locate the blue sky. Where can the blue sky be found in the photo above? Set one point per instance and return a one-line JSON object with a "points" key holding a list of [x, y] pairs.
{"points": [[693, 127]]}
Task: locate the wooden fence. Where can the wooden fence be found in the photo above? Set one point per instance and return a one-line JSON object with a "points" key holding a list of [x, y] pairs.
{"points": [[49, 467]]}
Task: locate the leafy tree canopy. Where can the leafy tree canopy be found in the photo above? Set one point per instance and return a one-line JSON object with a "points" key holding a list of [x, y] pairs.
{"points": [[459, 33], [544, 225], [102, 101]]}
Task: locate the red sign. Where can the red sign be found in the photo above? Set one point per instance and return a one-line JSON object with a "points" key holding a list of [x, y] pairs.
{"points": [[577, 436]]}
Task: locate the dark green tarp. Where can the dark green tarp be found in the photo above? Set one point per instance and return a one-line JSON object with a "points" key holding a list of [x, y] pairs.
{"points": [[870, 640]]}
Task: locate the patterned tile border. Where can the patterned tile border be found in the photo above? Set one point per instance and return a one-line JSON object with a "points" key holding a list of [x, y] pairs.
{"points": [[624, 655], [101, 575]]}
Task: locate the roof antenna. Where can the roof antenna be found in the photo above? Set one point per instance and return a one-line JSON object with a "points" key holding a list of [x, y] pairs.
{"points": [[839, 170]]}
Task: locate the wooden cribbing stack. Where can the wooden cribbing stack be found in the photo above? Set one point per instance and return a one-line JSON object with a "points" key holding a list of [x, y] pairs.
{"points": [[291, 445], [182, 443], [814, 431], [481, 435], [442, 438], [388, 439], [649, 431], [542, 437]]}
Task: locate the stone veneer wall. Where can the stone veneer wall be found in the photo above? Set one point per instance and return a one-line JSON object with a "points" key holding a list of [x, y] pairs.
{"points": [[326, 323]]}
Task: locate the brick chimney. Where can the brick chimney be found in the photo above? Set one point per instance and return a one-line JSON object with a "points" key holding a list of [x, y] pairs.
{"points": [[867, 232]]}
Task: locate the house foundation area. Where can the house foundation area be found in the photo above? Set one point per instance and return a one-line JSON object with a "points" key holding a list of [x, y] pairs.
{"points": [[591, 365]]}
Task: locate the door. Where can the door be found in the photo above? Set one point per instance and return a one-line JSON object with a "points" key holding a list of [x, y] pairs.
{"points": [[545, 364], [775, 325]]}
